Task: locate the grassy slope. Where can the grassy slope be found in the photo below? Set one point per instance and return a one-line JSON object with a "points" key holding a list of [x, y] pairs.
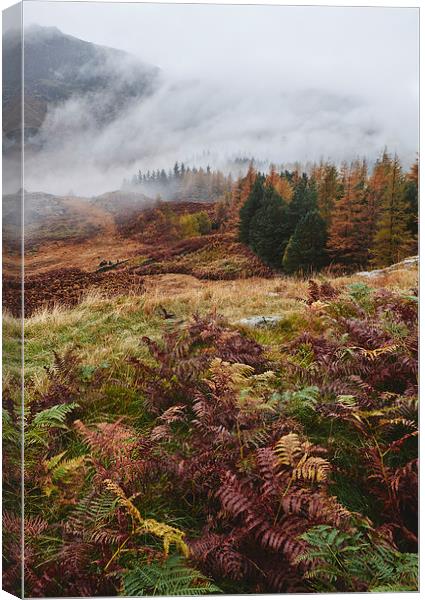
{"points": [[110, 329]]}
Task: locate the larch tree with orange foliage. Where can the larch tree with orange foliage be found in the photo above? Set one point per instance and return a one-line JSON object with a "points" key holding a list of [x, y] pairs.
{"points": [[412, 197], [241, 190], [349, 227], [247, 183], [329, 189], [392, 241], [280, 183]]}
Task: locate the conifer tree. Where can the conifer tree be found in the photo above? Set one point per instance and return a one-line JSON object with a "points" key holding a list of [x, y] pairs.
{"points": [[306, 251], [349, 235], [378, 183], [411, 193], [329, 189], [240, 192], [249, 209], [303, 200], [248, 182], [280, 183], [392, 241], [221, 213], [269, 228]]}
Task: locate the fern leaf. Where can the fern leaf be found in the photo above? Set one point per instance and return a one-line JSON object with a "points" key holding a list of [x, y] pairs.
{"points": [[67, 468], [168, 534], [312, 468], [288, 449], [54, 416], [171, 578]]}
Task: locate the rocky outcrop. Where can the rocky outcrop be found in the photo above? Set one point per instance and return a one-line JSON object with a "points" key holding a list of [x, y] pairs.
{"points": [[407, 263]]}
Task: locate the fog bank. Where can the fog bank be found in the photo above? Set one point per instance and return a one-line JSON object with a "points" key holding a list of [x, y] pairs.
{"points": [[282, 84]]}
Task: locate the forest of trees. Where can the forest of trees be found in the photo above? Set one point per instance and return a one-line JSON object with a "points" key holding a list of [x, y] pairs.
{"points": [[343, 216], [191, 184]]}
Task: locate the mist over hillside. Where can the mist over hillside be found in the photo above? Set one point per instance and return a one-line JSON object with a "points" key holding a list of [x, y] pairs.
{"points": [[58, 67], [96, 115]]}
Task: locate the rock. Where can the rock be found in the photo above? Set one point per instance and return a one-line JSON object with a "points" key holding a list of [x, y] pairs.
{"points": [[260, 321], [411, 261], [371, 274], [407, 262]]}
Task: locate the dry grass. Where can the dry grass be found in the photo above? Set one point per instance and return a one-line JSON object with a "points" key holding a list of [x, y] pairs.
{"points": [[184, 294], [400, 279], [241, 298], [109, 329]]}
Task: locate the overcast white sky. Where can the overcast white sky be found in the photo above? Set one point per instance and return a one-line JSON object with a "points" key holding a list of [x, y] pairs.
{"points": [[364, 46], [317, 81]]}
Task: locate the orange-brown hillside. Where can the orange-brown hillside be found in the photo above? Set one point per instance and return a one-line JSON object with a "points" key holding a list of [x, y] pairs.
{"points": [[68, 238]]}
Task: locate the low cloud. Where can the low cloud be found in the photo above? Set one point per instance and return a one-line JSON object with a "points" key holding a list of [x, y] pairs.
{"points": [[335, 97], [201, 123]]}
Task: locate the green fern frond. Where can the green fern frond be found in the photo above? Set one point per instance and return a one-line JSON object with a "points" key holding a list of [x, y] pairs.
{"points": [[355, 557], [67, 468], [53, 417], [11, 433], [347, 400], [392, 587], [301, 403], [96, 510], [171, 578], [60, 470]]}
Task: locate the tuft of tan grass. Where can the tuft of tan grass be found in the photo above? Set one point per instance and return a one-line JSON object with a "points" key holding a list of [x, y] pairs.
{"points": [[55, 316]]}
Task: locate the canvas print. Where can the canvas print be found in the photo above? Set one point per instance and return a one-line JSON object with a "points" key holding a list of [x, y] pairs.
{"points": [[210, 299]]}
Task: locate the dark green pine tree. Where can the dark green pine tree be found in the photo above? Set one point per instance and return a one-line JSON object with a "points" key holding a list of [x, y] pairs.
{"points": [[306, 250], [303, 201], [248, 210], [411, 195], [269, 229]]}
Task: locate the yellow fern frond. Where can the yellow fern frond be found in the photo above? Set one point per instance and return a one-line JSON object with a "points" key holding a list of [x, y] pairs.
{"points": [[376, 352], [312, 468], [288, 449], [366, 414], [67, 468], [399, 421], [123, 500], [238, 372], [168, 534], [58, 470], [52, 462]]}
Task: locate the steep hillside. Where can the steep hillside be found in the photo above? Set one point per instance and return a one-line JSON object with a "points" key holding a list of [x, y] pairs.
{"points": [[60, 66]]}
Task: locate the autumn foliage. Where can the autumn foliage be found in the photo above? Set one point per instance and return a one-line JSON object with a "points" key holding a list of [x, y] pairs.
{"points": [[213, 465], [369, 215]]}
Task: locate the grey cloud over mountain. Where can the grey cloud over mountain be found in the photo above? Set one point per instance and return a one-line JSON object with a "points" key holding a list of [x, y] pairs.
{"points": [[270, 104]]}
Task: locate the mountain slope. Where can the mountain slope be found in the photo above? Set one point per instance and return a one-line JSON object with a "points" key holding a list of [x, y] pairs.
{"points": [[59, 66]]}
